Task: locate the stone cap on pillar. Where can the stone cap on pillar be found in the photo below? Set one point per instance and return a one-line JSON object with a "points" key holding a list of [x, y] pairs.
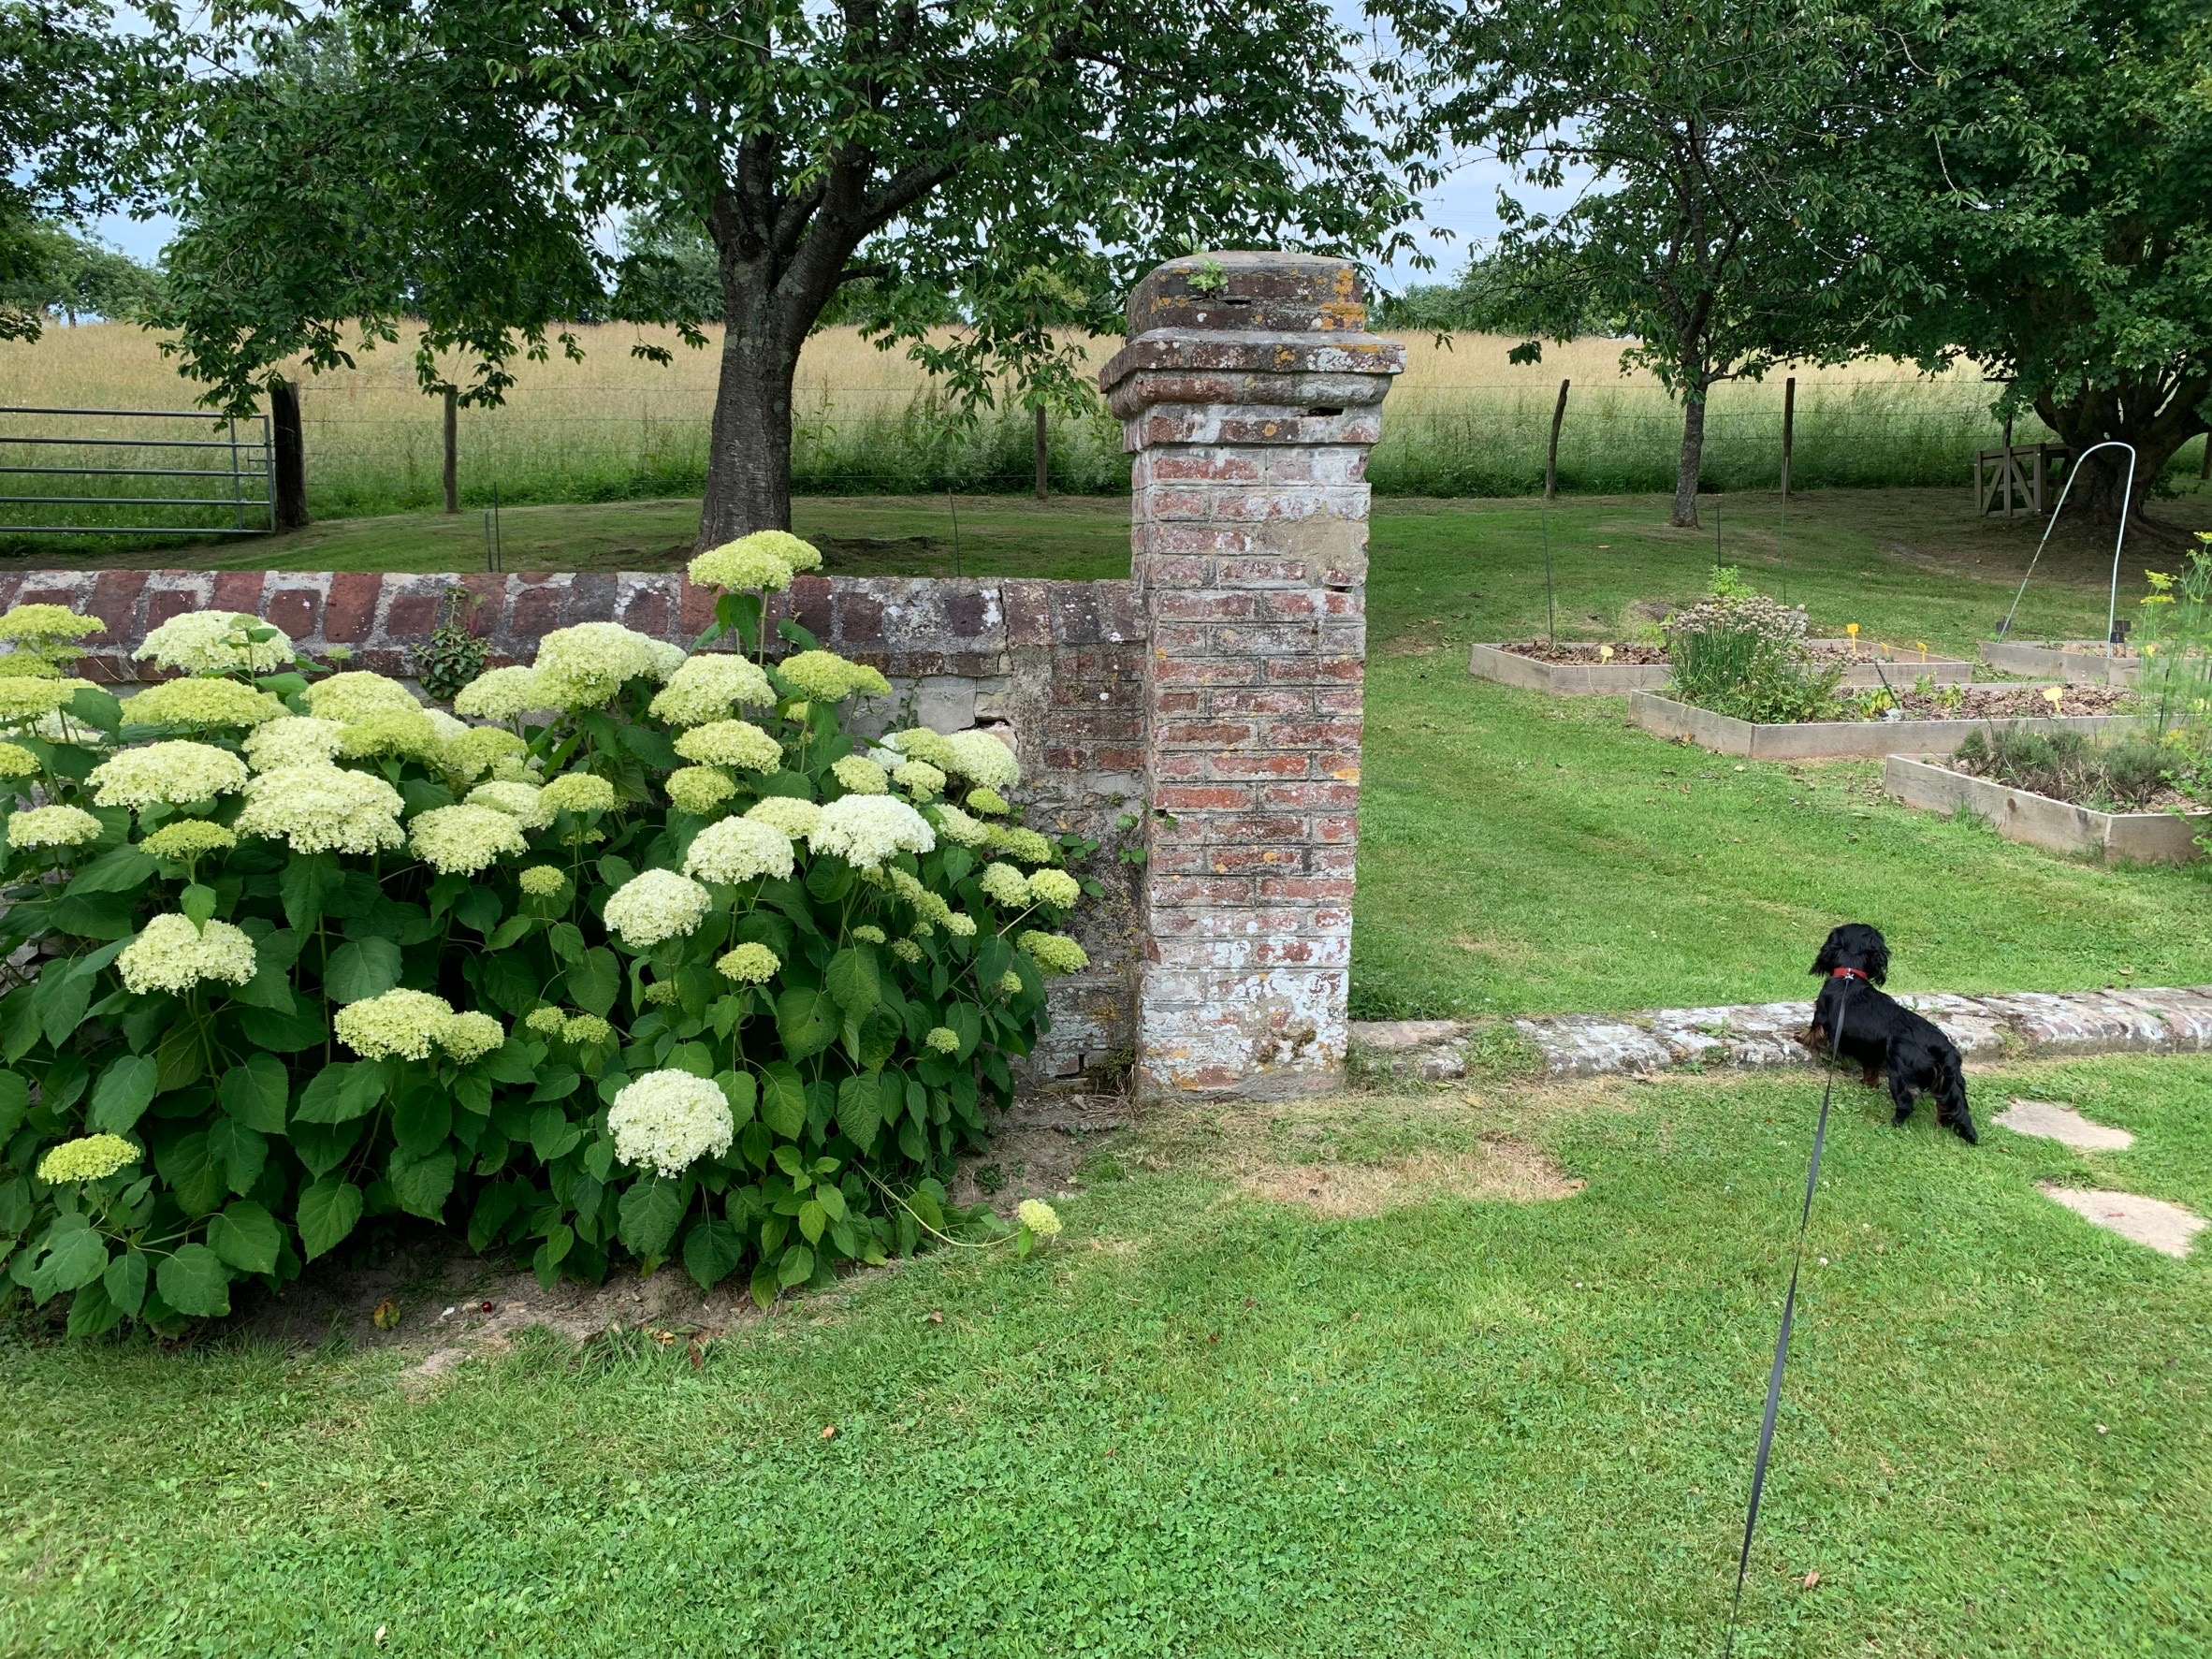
{"points": [[1271, 329]]}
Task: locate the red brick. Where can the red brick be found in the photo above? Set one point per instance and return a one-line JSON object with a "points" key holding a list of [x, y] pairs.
{"points": [[1310, 795], [1336, 830], [1206, 671], [115, 601], [1231, 700], [696, 609], [1205, 797], [1199, 605], [165, 603], [298, 611], [237, 591], [1260, 830], [411, 615], [1312, 735], [1262, 573], [1204, 891], [1315, 670], [349, 613], [490, 591], [1119, 759], [1182, 764], [11, 583], [536, 611], [1175, 573], [1279, 860], [1027, 609], [1334, 861], [1260, 766], [1207, 734], [1305, 889], [648, 612]]}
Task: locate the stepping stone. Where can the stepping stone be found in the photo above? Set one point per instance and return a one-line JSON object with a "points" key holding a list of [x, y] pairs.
{"points": [[2050, 1121], [2166, 1228]]}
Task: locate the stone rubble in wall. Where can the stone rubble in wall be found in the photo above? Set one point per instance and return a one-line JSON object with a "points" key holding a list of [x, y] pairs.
{"points": [[2042, 1024]]}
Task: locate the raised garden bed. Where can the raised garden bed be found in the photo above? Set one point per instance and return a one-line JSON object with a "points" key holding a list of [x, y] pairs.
{"points": [[2078, 661], [1871, 739], [2057, 826], [1577, 670]]}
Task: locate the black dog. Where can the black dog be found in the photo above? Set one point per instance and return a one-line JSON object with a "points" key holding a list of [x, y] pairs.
{"points": [[1863, 1024]]}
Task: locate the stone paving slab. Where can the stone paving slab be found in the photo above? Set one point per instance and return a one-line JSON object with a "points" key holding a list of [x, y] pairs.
{"points": [[2049, 1121], [1758, 1035], [2165, 1228]]}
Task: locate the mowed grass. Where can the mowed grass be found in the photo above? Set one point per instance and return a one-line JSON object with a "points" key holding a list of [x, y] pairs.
{"points": [[1521, 853], [1204, 1423]]}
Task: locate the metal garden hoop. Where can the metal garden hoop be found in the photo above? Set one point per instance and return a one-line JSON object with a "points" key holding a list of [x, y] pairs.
{"points": [[2073, 472]]}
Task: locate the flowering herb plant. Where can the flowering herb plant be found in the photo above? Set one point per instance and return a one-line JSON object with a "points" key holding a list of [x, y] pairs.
{"points": [[640, 951], [1741, 653]]}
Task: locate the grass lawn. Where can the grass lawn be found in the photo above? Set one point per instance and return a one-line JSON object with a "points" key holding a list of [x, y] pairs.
{"points": [[1211, 1423]]}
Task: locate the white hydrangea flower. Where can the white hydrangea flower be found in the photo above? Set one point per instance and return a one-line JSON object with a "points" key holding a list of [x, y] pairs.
{"points": [[1056, 953], [447, 727], [1053, 887], [957, 827], [53, 826], [584, 666], [794, 817], [699, 790], [861, 775], [398, 1025], [322, 808], [354, 695], [730, 743], [655, 906], [202, 704], [524, 803], [167, 774], [503, 694], [826, 677], [669, 1120], [982, 759], [22, 699], [577, 791], [1003, 884], [171, 955], [470, 1036], [919, 743], [868, 830], [462, 840], [294, 740], [919, 779], [708, 686], [216, 642], [407, 733], [737, 850]]}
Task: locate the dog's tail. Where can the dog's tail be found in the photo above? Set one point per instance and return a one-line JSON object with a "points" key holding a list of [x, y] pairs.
{"points": [[1950, 1096]]}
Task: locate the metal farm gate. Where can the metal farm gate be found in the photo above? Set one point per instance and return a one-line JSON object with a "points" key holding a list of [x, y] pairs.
{"points": [[63, 456]]}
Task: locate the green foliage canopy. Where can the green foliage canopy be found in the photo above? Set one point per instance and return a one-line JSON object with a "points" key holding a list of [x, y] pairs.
{"points": [[991, 151]]}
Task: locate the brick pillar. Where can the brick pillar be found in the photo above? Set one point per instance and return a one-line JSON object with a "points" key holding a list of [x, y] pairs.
{"points": [[1249, 394]]}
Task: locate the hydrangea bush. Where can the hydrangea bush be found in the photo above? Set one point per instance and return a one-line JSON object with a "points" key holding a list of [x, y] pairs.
{"points": [[638, 954]]}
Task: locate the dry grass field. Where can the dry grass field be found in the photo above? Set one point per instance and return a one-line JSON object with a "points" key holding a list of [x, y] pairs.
{"points": [[614, 427]]}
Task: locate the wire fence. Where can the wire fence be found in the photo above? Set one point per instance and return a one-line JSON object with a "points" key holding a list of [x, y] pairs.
{"points": [[375, 444]]}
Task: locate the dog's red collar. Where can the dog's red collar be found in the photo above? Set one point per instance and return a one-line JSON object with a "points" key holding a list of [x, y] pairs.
{"points": [[1846, 973]]}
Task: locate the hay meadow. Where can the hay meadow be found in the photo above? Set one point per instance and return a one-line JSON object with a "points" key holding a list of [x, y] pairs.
{"points": [[616, 426]]}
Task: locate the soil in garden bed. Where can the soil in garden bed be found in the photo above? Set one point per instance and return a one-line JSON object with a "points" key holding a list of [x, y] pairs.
{"points": [[1651, 656], [1982, 702], [1628, 656]]}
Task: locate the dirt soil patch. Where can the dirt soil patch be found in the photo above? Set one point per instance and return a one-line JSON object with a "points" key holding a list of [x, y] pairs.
{"points": [[1634, 656], [1999, 702], [1504, 1170]]}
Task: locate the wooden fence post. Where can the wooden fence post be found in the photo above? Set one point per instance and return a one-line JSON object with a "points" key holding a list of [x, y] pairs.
{"points": [[1551, 454], [453, 450], [1789, 429], [288, 439], [1043, 451]]}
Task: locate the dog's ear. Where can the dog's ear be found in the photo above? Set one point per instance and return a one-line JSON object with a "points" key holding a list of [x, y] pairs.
{"points": [[1878, 960], [1826, 961]]}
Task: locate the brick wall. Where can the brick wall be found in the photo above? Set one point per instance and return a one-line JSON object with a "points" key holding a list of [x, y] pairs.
{"points": [[1220, 686], [1056, 668], [1250, 395]]}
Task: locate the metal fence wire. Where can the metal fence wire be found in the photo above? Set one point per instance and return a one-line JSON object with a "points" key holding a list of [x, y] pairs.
{"points": [[60, 455]]}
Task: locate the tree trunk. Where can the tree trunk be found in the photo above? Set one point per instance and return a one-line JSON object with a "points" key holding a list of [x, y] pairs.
{"points": [[2157, 422], [1692, 460], [748, 463]]}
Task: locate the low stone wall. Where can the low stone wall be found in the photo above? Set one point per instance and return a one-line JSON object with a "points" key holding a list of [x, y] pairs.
{"points": [[1056, 668]]}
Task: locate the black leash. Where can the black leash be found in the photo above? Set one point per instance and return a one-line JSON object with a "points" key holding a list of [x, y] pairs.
{"points": [[1789, 1310]]}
